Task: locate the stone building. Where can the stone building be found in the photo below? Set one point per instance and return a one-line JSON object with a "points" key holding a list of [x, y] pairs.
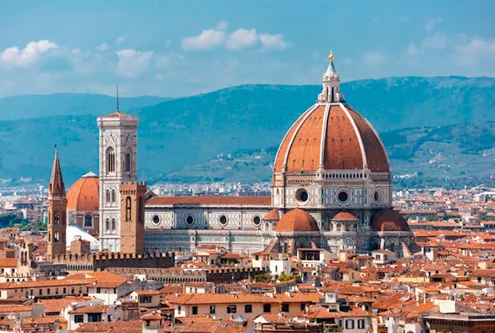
{"points": [[57, 211], [331, 188]]}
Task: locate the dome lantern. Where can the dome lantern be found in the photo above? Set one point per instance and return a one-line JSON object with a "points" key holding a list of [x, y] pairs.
{"points": [[331, 84]]}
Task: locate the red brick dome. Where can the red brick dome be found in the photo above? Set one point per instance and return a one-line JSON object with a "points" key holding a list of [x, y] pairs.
{"points": [[344, 216], [84, 194], [334, 136], [389, 220], [297, 220]]}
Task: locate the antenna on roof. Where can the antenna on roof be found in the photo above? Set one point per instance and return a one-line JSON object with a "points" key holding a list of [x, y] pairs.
{"points": [[118, 98]]}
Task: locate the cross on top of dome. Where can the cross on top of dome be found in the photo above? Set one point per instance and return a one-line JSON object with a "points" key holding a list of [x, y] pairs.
{"points": [[331, 84]]}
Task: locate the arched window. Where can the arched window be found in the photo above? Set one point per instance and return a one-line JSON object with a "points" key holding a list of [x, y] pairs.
{"points": [[128, 209], [127, 162], [88, 221], [113, 225], [355, 226], [391, 247], [107, 224], [347, 227], [56, 237], [56, 218], [339, 226], [107, 195], [114, 195], [110, 159]]}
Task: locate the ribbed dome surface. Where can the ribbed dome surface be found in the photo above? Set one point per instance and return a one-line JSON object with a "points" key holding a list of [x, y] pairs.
{"points": [[349, 142], [297, 220], [83, 195], [344, 216]]}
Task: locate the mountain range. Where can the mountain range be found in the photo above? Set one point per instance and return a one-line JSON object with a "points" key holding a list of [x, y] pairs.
{"points": [[411, 113]]}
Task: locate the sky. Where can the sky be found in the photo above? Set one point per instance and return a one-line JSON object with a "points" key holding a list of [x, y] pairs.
{"points": [[181, 48]]}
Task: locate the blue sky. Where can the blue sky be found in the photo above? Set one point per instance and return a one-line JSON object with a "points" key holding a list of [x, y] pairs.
{"points": [[178, 48]]}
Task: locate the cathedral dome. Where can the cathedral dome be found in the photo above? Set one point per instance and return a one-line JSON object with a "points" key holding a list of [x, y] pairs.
{"points": [[84, 194], [297, 220], [344, 216], [331, 135], [389, 220]]}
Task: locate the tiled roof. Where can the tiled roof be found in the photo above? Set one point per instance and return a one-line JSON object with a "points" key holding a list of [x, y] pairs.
{"points": [[90, 309], [344, 216], [8, 263], [297, 220], [349, 142], [243, 298], [273, 215], [389, 220], [84, 195]]}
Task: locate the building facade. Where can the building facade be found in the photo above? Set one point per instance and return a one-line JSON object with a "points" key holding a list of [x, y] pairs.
{"points": [[331, 189], [118, 164]]}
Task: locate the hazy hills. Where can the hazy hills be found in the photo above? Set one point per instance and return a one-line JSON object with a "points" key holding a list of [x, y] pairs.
{"points": [[448, 155], [193, 130], [35, 106]]}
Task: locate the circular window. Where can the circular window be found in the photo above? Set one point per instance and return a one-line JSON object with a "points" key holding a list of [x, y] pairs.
{"points": [[377, 196], [189, 220], [257, 221], [343, 197], [302, 196], [223, 220], [156, 219]]}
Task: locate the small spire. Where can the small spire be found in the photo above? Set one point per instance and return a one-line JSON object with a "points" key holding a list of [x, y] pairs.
{"points": [[56, 187], [118, 98]]}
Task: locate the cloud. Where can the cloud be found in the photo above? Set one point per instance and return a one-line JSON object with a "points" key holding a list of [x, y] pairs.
{"points": [[374, 58], [431, 23], [275, 41], [475, 51], [17, 57], [241, 38], [206, 40], [437, 41], [120, 40], [103, 47], [413, 50], [404, 19], [133, 63]]}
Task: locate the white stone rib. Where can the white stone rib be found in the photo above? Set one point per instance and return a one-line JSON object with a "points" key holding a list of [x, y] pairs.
{"points": [[358, 135], [324, 135]]}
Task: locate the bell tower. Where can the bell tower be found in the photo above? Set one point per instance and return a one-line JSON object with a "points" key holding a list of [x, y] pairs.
{"points": [[57, 211], [118, 164], [132, 217]]}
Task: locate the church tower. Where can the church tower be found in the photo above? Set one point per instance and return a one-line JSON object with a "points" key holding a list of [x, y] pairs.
{"points": [[57, 211], [118, 164], [132, 217]]}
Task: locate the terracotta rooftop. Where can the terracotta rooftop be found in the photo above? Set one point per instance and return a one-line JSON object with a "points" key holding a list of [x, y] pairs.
{"points": [[344, 216], [297, 220], [389, 220], [84, 194], [350, 142]]}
